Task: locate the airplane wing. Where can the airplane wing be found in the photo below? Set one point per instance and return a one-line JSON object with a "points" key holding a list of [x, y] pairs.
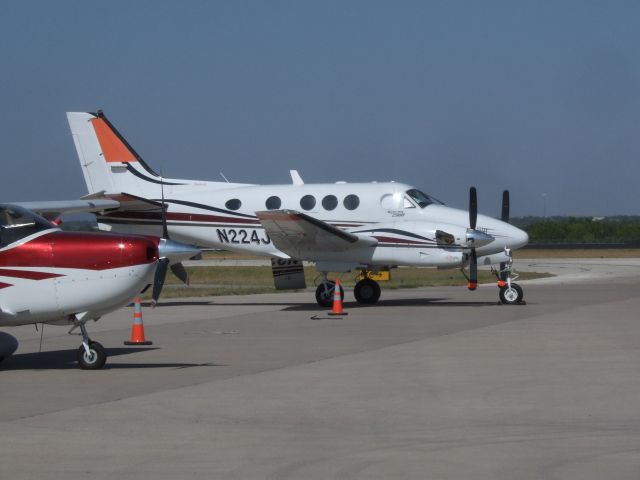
{"points": [[297, 234], [98, 202]]}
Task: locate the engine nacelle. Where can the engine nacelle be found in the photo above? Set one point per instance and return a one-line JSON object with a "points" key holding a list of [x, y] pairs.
{"points": [[494, 259], [8, 345]]}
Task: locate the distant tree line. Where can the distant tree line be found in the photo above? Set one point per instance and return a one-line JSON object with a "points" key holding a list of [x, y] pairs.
{"points": [[582, 230]]}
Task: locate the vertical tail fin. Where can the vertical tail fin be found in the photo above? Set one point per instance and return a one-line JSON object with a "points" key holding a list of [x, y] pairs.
{"points": [[106, 158]]}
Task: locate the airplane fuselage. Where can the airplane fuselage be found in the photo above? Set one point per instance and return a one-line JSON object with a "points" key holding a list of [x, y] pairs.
{"points": [[53, 275], [339, 226], [224, 217]]}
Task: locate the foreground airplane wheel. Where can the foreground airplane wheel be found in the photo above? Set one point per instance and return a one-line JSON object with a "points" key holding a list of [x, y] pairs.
{"points": [[511, 295], [95, 360], [367, 291], [325, 298]]}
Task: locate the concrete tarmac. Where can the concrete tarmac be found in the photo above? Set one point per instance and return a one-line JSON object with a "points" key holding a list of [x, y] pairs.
{"points": [[431, 383]]}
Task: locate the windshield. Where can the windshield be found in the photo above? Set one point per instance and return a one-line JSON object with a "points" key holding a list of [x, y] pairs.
{"points": [[17, 223], [421, 198]]}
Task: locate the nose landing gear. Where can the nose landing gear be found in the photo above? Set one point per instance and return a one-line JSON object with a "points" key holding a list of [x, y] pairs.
{"points": [[510, 292], [91, 355]]}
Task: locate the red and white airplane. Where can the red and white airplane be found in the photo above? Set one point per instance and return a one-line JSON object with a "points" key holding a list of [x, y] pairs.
{"points": [[68, 278], [366, 227]]}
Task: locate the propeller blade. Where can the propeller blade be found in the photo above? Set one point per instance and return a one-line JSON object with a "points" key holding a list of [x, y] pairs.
{"points": [[473, 270], [505, 206], [505, 218], [473, 208], [180, 272], [158, 280], [165, 230]]}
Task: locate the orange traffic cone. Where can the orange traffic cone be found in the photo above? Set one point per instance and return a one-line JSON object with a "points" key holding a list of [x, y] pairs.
{"points": [[137, 329], [337, 301]]}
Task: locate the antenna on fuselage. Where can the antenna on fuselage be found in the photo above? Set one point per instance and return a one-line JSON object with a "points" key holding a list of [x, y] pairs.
{"points": [[296, 179], [225, 178]]}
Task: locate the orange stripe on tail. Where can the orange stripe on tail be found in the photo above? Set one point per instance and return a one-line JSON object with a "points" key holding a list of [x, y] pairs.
{"points": [[112, 147]]}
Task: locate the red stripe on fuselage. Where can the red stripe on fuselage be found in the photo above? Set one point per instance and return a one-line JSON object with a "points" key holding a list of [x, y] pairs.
{"points": [[188, 217], [398, 240], [28, 274], [5, 285], [90, 251]]}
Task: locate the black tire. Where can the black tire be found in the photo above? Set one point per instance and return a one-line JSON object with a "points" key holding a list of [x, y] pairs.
{"points": [[97, 359], [367, 291], [325, 300], [511, 296]]}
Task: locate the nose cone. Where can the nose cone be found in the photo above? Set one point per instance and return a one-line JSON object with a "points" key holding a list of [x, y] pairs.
{"points": [[504, 234], [176, 251], [516, 238]]}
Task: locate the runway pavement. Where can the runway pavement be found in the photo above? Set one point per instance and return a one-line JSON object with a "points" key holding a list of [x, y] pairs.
{"points": [[431, 383]]}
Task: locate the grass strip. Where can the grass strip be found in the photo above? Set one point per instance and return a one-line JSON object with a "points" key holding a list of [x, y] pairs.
{"points": [[242, 280]]}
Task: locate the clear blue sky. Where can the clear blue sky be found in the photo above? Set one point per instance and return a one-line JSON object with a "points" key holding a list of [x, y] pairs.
{"points": [[538, 97]]}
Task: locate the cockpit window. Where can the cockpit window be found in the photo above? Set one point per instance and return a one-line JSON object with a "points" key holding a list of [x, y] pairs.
{"points": [[421, 198], [17, 223]]}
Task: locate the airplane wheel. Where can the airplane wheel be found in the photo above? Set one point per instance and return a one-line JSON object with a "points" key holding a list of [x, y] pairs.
{"points": [[511, 296], [325, 299], [96, 359], [367, 291]]}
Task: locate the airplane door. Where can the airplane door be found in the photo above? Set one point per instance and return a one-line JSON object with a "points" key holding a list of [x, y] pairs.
{"points": [[288, 274]]}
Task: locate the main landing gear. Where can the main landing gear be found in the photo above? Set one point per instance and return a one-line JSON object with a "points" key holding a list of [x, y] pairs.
{"points": [[91, 355], [324, 292], [366, 291]]}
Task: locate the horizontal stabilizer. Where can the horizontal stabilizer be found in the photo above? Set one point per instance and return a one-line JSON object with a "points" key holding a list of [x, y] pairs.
{"points": [[52, 209], [94, 203], [130, 202]]}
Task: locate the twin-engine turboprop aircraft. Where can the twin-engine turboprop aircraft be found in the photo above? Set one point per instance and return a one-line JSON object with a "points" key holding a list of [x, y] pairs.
{"points": [[68, 278], [367, 227]]}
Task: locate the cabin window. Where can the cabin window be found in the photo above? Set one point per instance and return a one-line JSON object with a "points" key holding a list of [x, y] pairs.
{"points": [[233, 204], [330, 202], [422, 199], [391, 201], [273, 203], [308, 202], [351, 202]]}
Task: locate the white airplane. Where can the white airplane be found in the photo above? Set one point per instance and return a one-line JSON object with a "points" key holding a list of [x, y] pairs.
{"points": [[68, 278], [367, 227]]}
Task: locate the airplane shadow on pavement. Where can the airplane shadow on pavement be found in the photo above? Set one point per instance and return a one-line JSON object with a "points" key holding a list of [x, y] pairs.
{"points": [[431, 302], [213, 303], [405, 302], [313, 307], [66, 359], [176, 303]]}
